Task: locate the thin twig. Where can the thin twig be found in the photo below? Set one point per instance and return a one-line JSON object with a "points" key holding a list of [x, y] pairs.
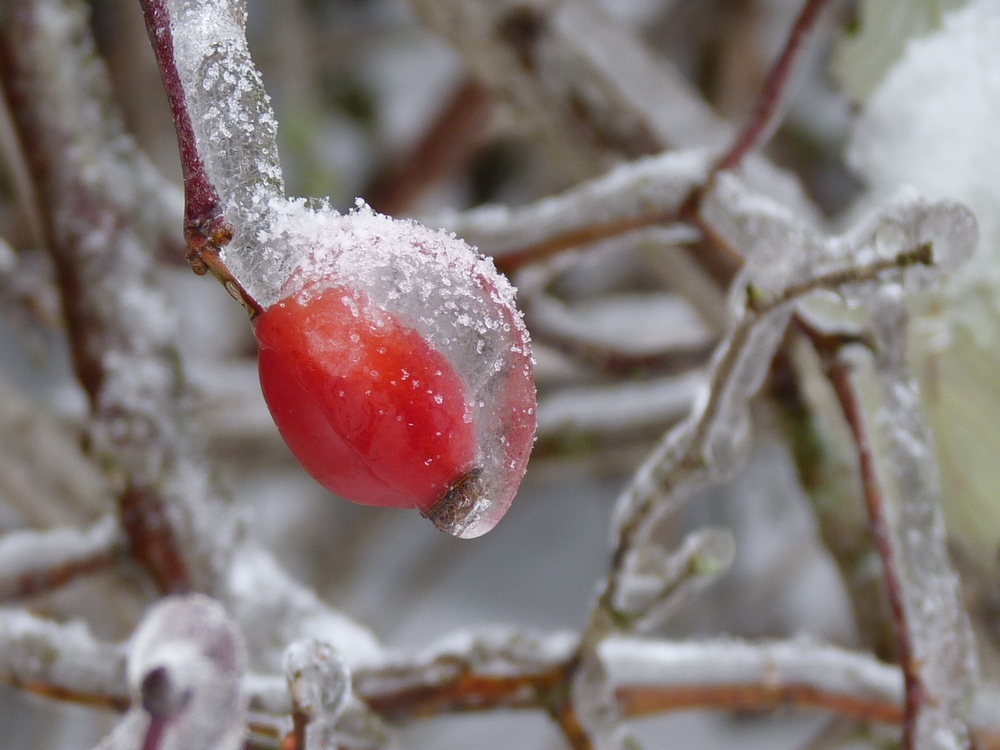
{"points": [[67, 125], [206, 228], [33, 562], [202, 206], [445, 146], [840, 377], [763, 120]]}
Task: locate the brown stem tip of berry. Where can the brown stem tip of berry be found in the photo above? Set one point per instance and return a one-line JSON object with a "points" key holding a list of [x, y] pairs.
{"points": [[456, 511]]}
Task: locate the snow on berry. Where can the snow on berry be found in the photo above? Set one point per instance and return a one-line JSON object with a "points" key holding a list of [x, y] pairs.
{"points": [[397, 366]]}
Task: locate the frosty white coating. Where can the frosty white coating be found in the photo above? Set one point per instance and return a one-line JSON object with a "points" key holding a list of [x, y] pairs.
{"points": [[33, 649], [25, 552], [727, 662]]}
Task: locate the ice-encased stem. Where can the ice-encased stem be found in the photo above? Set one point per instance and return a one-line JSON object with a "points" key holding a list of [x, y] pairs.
{"points": [[903, 491], [226, 129]]}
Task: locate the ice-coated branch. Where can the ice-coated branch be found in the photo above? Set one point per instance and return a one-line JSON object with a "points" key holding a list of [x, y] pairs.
{"points": [[652, 677], [619, 335], [227, 135], [610, 410], [32, 562], [785, 260], [61, 661], [202, 205], [505, 670], [912, 241], [632, 196], [657, 583], [899, 475], [518, 671], [468, 671]]}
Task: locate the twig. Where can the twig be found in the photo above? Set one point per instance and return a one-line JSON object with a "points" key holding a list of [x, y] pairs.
{"points": [[446, 145], [33, 562], [764, 118], [206, 228], [203, 214], [839, 374], [61, 661], [680, 454], [631, 197]]}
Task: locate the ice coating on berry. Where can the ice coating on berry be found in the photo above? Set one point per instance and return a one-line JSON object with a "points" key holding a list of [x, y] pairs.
{"points": [[457, 362]]}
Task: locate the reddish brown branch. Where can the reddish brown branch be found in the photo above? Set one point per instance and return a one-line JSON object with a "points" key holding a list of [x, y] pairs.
{"points": [[202, 205], [765, 113], [466, 692], [472, 693], [71, 136], [152, 542], [119, 703], [444, 148], [646, 700], [840, 377], [41, 581], [509, 262], [572, 728]]}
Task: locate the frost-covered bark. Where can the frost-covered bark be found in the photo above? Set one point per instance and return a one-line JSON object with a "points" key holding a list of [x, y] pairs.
{"points": [[34, 561], [36, 651]]}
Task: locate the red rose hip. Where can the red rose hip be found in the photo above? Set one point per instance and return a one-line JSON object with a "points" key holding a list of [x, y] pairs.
{"points": [[369, 409], [399, 372]]}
